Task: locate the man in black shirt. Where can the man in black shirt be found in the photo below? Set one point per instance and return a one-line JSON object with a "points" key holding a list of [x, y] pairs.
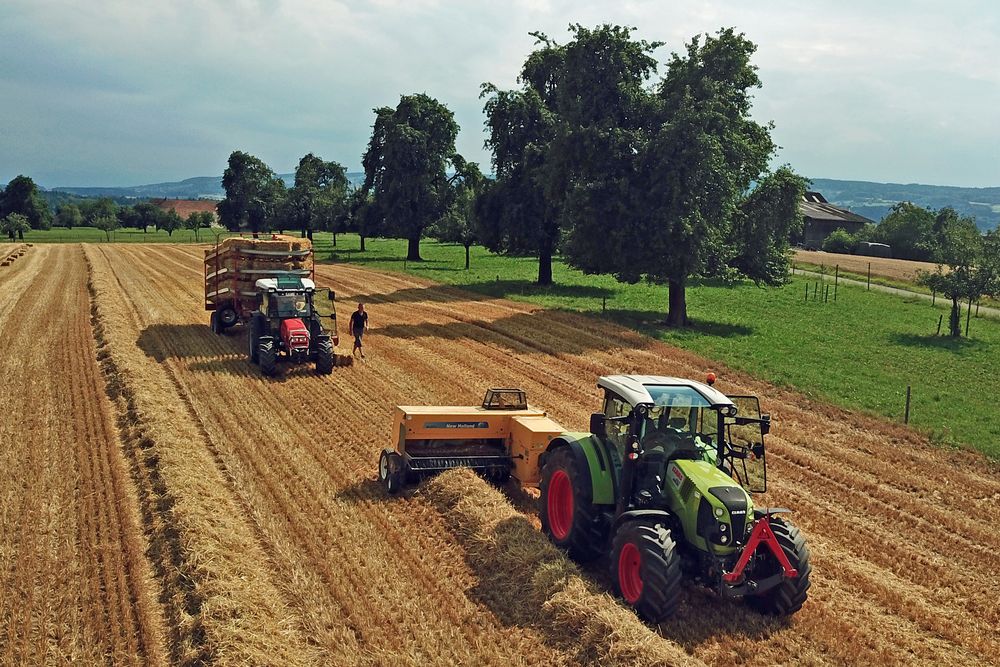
{"points": [[359, 325]]}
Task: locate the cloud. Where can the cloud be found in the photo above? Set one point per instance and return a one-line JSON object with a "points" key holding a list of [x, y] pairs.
{"points": [[125, 92]]}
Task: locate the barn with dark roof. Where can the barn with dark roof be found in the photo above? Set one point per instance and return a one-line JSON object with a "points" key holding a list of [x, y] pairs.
{"points": [[821, 218]]}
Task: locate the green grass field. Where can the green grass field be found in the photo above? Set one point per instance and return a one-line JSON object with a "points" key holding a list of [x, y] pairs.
{"points": [[858, 352]]}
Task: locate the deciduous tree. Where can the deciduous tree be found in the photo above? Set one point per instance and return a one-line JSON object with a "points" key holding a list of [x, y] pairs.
{"points": [[107, 224], [21, 196], [14, 225], [318, 199], [68, 216], [253, 194], [405, 166]]}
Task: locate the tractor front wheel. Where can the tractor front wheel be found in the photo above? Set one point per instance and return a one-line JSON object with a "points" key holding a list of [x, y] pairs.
{"points": [[390, 471], [789, 596], [567, 509], [324, 356], [646, 569], [267, 356]]}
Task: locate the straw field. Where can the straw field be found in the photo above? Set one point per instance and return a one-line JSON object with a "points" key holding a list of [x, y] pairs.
{"points": [[240, 521], [897, 269]]}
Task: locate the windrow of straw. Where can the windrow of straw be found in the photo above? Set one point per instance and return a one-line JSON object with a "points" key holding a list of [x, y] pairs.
{"points": [[221, 603], [534, 583]]}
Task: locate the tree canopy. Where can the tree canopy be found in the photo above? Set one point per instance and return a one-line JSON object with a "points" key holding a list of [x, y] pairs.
{"points": [[23, 197], [318, 199], [253, 194], [406, 167], [14, 225], [640, 179], [909, 230]]}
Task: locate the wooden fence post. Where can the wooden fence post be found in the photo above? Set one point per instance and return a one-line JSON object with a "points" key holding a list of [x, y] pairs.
{"points": [[869, 276], [836, 282]]}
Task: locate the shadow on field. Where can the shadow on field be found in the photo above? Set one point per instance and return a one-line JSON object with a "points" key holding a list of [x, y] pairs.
{"points": [[542, 331], [940, 342], [482, 291], [182, 341], [651, 323]]}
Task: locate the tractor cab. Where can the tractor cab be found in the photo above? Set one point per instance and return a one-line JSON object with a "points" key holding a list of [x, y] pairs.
{"points": [[288, 324]]}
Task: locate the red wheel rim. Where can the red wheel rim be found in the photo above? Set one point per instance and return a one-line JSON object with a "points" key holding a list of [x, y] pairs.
{"points": [[560, 505], [629, 575]]}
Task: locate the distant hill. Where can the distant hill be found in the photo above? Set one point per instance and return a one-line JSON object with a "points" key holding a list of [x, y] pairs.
{"points": [[873, 200], [199, 187]]}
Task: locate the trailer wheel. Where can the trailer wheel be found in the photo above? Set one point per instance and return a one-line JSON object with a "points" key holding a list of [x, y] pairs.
{"points": [[567, 510], [226, 318], [324, 355], [646, 568], [213, 322], [390, 471], [267, 356], [787, 597]]}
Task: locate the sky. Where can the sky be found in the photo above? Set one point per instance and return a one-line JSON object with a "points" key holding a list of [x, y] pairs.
{"points": [[106, 93]]}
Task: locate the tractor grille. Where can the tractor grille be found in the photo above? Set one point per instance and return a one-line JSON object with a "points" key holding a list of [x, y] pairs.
{"points": [[735, 501]]}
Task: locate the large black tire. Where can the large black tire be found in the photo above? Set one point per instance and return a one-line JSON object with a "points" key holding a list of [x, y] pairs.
{"points": [[646, 569], [267, 356], [391, 471], [568, 514], [253, 335], [324, 355], [226, 317], [789, 596]]}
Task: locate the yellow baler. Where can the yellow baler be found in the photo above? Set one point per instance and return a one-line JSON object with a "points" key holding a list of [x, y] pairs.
{"points": [[504, 436]]}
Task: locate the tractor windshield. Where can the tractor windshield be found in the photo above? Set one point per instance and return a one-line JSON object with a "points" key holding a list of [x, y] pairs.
{"points": [[680, 418], [289, 305]]}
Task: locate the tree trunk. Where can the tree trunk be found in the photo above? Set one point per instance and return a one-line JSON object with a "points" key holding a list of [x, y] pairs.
{"points": [[466, 258], [545, 265], [955, 321], [309, 234], [335, 239], [677, 308], [362, 243], [20, 234], [413, 249]]}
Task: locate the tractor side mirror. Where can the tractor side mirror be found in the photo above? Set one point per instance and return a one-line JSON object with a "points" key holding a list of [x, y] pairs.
{"points": [[765, 424], [599, 425], [330, 295]]}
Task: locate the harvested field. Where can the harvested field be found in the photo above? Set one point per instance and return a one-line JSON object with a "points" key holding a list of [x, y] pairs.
{"points": [[897, 269], [75, 584], [273, 542]]}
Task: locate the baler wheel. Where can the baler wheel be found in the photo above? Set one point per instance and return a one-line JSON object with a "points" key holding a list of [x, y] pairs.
{"points": [[227, 317], [789, 596], [646, 569], [390, 471], [567, 509]]}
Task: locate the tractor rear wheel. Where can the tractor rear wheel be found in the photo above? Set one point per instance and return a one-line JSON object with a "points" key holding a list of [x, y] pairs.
{"points": [[267, 356], [567, 509], [787, 597], [253, 334], [646, 568], [324, 355], [390, 471]]}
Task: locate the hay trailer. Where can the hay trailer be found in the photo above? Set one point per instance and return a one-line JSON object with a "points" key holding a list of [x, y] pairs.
{"points": [[660, 485], [235, 264]]}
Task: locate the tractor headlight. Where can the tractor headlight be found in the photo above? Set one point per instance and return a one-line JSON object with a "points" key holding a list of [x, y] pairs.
{"points": [[724, 539], [718, 511], [722, 527]]}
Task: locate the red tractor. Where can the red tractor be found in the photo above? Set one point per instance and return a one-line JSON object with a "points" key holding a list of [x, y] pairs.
{"points": [[287, 325]]}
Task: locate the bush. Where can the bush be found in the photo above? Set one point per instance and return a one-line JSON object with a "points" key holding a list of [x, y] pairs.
{"points": [[839, 241]]}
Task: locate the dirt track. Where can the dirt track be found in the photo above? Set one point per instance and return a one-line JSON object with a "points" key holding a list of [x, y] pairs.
{"points": [[904, 550]]}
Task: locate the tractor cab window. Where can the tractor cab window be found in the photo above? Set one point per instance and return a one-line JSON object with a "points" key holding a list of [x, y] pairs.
{"points": [[288, 305], [323, 303], [680, 421], [617, 410]]}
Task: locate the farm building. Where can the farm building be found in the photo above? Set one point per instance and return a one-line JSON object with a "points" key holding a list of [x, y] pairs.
{"points": [[821, 218], [185, 207]]}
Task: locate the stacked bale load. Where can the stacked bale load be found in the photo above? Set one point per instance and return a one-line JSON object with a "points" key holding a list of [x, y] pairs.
{"points": [[233, 267]]}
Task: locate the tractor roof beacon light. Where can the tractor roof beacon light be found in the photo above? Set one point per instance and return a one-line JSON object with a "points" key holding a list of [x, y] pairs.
{"points": [[710, 379]]}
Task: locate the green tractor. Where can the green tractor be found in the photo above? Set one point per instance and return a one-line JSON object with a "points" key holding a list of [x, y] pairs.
{"points": [[662, 486]]}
